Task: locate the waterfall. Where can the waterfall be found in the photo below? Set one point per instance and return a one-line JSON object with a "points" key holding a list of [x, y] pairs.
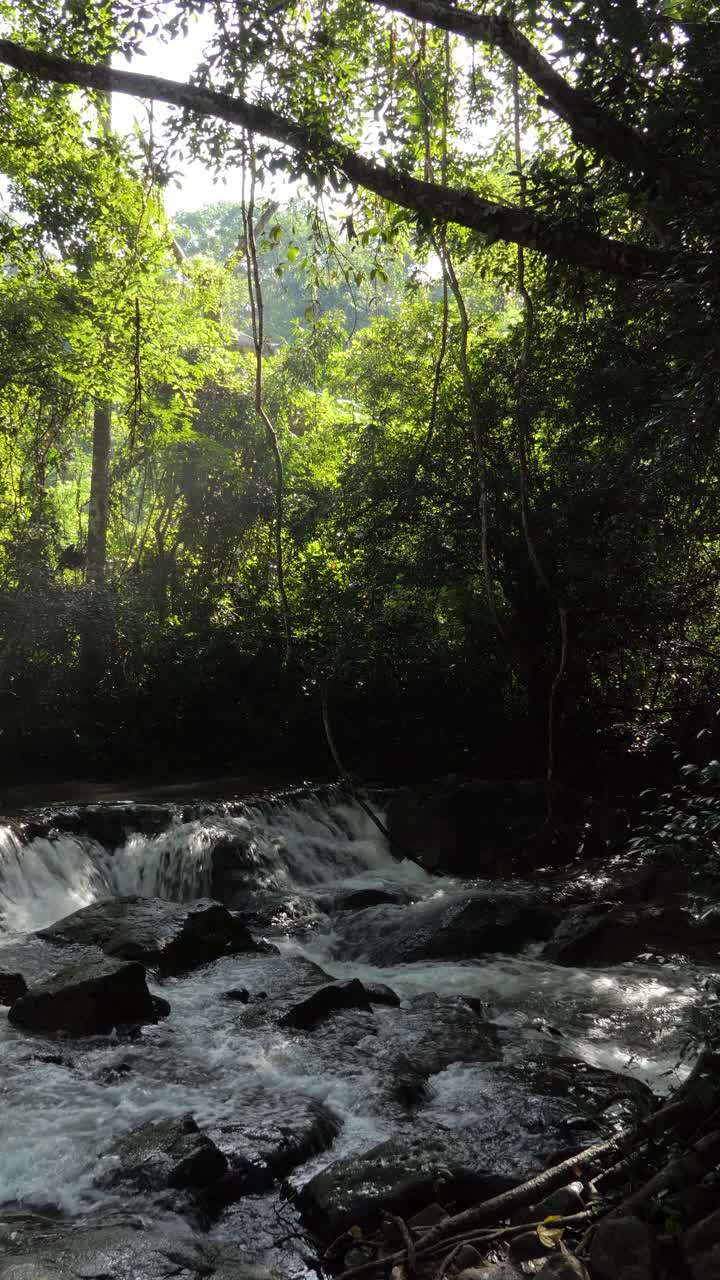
{"points": [[292, 848]]}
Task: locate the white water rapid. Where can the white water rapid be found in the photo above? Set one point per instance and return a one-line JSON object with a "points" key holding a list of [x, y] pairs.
{"points": [[64, 1103]]}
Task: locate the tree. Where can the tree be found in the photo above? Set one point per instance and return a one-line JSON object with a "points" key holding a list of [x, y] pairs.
{"points": [[360, 52]]}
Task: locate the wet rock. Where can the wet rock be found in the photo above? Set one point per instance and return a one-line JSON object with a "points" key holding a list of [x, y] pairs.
{"points": [[89, 999], [467, 1256], [271, 909], [622, 1249], [438, 1031], [378, 993], [399, 1176], [170, 936], [325, 1002], [590, 1089], [526, 1247], [240, 862], [564, 1266], [79, 1251], [12, 986], [271, 1138], [116, 1072], [108, 824], [612, 935], [358, 899], [491, 1271], [166, 1154], [236, 995], [408, 1083], [460, 926]]}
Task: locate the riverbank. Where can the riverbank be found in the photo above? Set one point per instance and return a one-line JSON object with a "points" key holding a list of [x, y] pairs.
{"points": [[479, 1031]]}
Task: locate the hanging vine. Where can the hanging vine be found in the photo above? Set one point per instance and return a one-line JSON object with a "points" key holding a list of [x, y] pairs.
{"points": [[258, 327], [523, 425], [450, 279]]}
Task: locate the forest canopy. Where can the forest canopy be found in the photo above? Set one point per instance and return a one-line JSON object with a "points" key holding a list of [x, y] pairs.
{"points": [[423, 427]]}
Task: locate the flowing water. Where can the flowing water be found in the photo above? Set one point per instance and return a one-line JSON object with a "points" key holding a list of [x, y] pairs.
{"points": [[62, 1104]]}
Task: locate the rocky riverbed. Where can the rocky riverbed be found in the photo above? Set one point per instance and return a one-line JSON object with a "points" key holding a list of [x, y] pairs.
{"points": [[244, 1036]]}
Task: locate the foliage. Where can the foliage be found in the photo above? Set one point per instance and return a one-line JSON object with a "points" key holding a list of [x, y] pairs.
{"points": [[396, 441]]}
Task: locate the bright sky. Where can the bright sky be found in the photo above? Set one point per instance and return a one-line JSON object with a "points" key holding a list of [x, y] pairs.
{"points": [[196, 185]]}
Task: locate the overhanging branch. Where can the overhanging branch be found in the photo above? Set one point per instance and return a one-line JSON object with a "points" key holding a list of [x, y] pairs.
{"points": [[430, 200], [591, 124]]}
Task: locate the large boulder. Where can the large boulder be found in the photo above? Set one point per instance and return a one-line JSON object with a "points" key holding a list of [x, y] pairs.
{"points": [[399, 1176], [169, 936], [358, 899], [89, 999], [438, 1031], [610, 935], [324, 1002], [166, 1154], [456, 926], [12, 986], [270, 1137], [109, 824], [623, 1249], [240, 863]]}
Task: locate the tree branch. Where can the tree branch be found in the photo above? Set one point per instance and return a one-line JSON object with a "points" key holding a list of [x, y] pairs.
{"points": [[591, 124], [430, 200]]}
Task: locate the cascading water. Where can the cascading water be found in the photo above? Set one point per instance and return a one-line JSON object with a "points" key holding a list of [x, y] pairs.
{"points": [[61, 1109]]}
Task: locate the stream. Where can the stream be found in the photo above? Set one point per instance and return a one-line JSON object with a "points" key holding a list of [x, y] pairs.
{"points": [[558, 1031]]}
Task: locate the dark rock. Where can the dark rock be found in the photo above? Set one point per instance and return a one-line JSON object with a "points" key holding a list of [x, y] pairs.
{"points": [[564, 1266], [272, 1137], [441, 1030], [408, 1083], [399, 1176], [615, 934], [460, 926], [478, 1006], [358, 899], [467, 1256], [88, 999], [108, 824], [170, 936], [378, 993], [86, 1251], [12, 986], [237, 995], [525, 1247], [116, 1072], [166, 1154], [54, 1059], [491, 1271], [273, 909], [623, 1249], [241, 862], [325, 1002]]}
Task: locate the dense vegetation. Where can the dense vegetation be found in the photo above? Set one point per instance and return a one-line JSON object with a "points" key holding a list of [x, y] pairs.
{"points": [[434, 439]]}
